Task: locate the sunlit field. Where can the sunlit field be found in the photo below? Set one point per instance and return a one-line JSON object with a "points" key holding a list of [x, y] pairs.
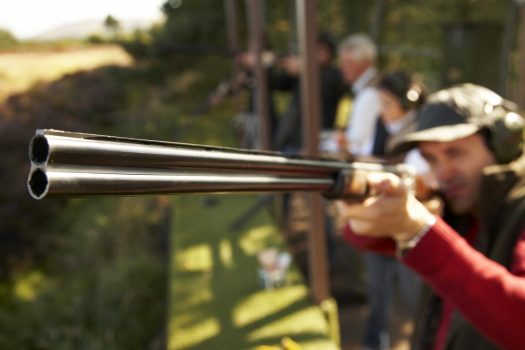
{"points": [[216, 298], [20, 70]]}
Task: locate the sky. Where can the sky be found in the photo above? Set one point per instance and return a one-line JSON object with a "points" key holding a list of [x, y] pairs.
{"points": [[28, 18]]}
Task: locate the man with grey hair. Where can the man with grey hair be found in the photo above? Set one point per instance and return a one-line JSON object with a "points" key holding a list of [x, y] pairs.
{"points": [[357, 58]]}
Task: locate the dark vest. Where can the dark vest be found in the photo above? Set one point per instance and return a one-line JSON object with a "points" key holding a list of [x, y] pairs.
{"points": [[383, 140], [501, 220]]}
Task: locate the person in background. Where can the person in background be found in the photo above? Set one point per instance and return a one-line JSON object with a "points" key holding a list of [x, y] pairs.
{"points": [[471, 253], [289, 134], [332, 82], [400, 96], [289, 131], [247, 124], [357, 59]]}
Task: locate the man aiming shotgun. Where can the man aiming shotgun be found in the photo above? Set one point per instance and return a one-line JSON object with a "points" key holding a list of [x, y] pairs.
{"points": [[473, 257]]}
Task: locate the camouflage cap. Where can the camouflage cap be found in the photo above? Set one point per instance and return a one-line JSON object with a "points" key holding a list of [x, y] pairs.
{"points": [[454, 113]]}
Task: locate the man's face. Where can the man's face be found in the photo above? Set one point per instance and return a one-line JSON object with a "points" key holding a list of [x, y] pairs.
{"points": [[458, 166], [350, 67], [324, 55]]}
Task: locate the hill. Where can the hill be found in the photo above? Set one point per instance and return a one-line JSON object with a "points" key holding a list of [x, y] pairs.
{"points": [[83, 29], [20, 70]]}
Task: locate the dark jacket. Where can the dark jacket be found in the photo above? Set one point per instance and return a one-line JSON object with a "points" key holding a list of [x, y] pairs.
{"points": [[384, 142], [289, 133], [501, 220]]}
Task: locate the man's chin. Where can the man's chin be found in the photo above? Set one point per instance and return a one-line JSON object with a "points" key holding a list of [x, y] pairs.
{"points": [[458, 206]]}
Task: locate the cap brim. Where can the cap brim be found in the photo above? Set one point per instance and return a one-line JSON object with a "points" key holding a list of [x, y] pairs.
{"points": [[444, 133]]}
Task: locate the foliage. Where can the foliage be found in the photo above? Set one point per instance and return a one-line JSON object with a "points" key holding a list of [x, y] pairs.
{"points": [[191, 23], [410, 33], [91, 271], [190, 27], [114, 306], [412, 36], [138, 44], [111, 23], [105, 100], [7, 40]]}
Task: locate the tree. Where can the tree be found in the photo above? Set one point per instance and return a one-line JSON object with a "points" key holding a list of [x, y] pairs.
{"points": [[7, 40], [112, 25]]}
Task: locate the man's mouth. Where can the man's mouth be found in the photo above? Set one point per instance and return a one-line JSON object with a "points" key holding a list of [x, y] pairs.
{"points": [[453, 191]]}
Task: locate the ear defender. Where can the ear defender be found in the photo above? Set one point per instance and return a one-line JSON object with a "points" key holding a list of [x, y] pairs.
{"points": [[401, 85], [412, 97], [507, 136]]}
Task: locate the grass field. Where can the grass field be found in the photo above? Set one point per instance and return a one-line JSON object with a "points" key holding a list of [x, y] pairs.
{"points": [[216, 299], [20, 70]]}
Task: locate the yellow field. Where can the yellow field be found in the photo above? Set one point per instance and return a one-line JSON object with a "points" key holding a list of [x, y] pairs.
{"points": [[20, 70]]}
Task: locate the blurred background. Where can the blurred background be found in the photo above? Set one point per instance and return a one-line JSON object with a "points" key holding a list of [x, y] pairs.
{"points": [[172, 272]]}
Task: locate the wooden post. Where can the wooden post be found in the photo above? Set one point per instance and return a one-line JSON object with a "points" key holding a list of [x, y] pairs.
{"points": [[507, 46], [311, 111], [256, 29], [230, 14], [378, 19], [231, 25], [520, 99]]}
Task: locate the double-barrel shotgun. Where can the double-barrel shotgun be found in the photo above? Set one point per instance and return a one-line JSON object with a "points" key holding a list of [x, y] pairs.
{"points": [[77, 164]]}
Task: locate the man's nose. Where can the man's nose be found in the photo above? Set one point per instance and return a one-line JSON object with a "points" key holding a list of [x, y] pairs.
{"points": [[445, 171]]}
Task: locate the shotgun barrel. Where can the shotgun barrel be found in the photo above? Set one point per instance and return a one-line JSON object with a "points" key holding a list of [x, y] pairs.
{"points": [[78, 164]]}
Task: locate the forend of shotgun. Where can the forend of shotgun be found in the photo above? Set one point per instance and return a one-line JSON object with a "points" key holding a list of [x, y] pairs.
{"points": [[71, 164], [353, 184]]}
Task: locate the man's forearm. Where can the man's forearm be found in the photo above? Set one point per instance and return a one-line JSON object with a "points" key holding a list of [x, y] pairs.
{"points": [[384, 246], [474, 284]]}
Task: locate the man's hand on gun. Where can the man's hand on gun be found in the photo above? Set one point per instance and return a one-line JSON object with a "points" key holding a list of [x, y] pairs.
{"points": [[391, 210]]}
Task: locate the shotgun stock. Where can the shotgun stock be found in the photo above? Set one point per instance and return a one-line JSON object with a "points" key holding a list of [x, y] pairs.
{"points": [[77, 164]]}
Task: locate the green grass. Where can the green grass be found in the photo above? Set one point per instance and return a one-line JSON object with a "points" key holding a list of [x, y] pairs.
{"points": [[216, 301]]}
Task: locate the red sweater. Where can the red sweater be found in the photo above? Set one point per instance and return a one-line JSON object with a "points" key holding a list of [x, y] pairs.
{"points": [[489, 296]]}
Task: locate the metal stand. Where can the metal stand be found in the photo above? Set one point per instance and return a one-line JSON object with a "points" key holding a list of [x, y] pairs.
{"points": [[263, 201]]}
